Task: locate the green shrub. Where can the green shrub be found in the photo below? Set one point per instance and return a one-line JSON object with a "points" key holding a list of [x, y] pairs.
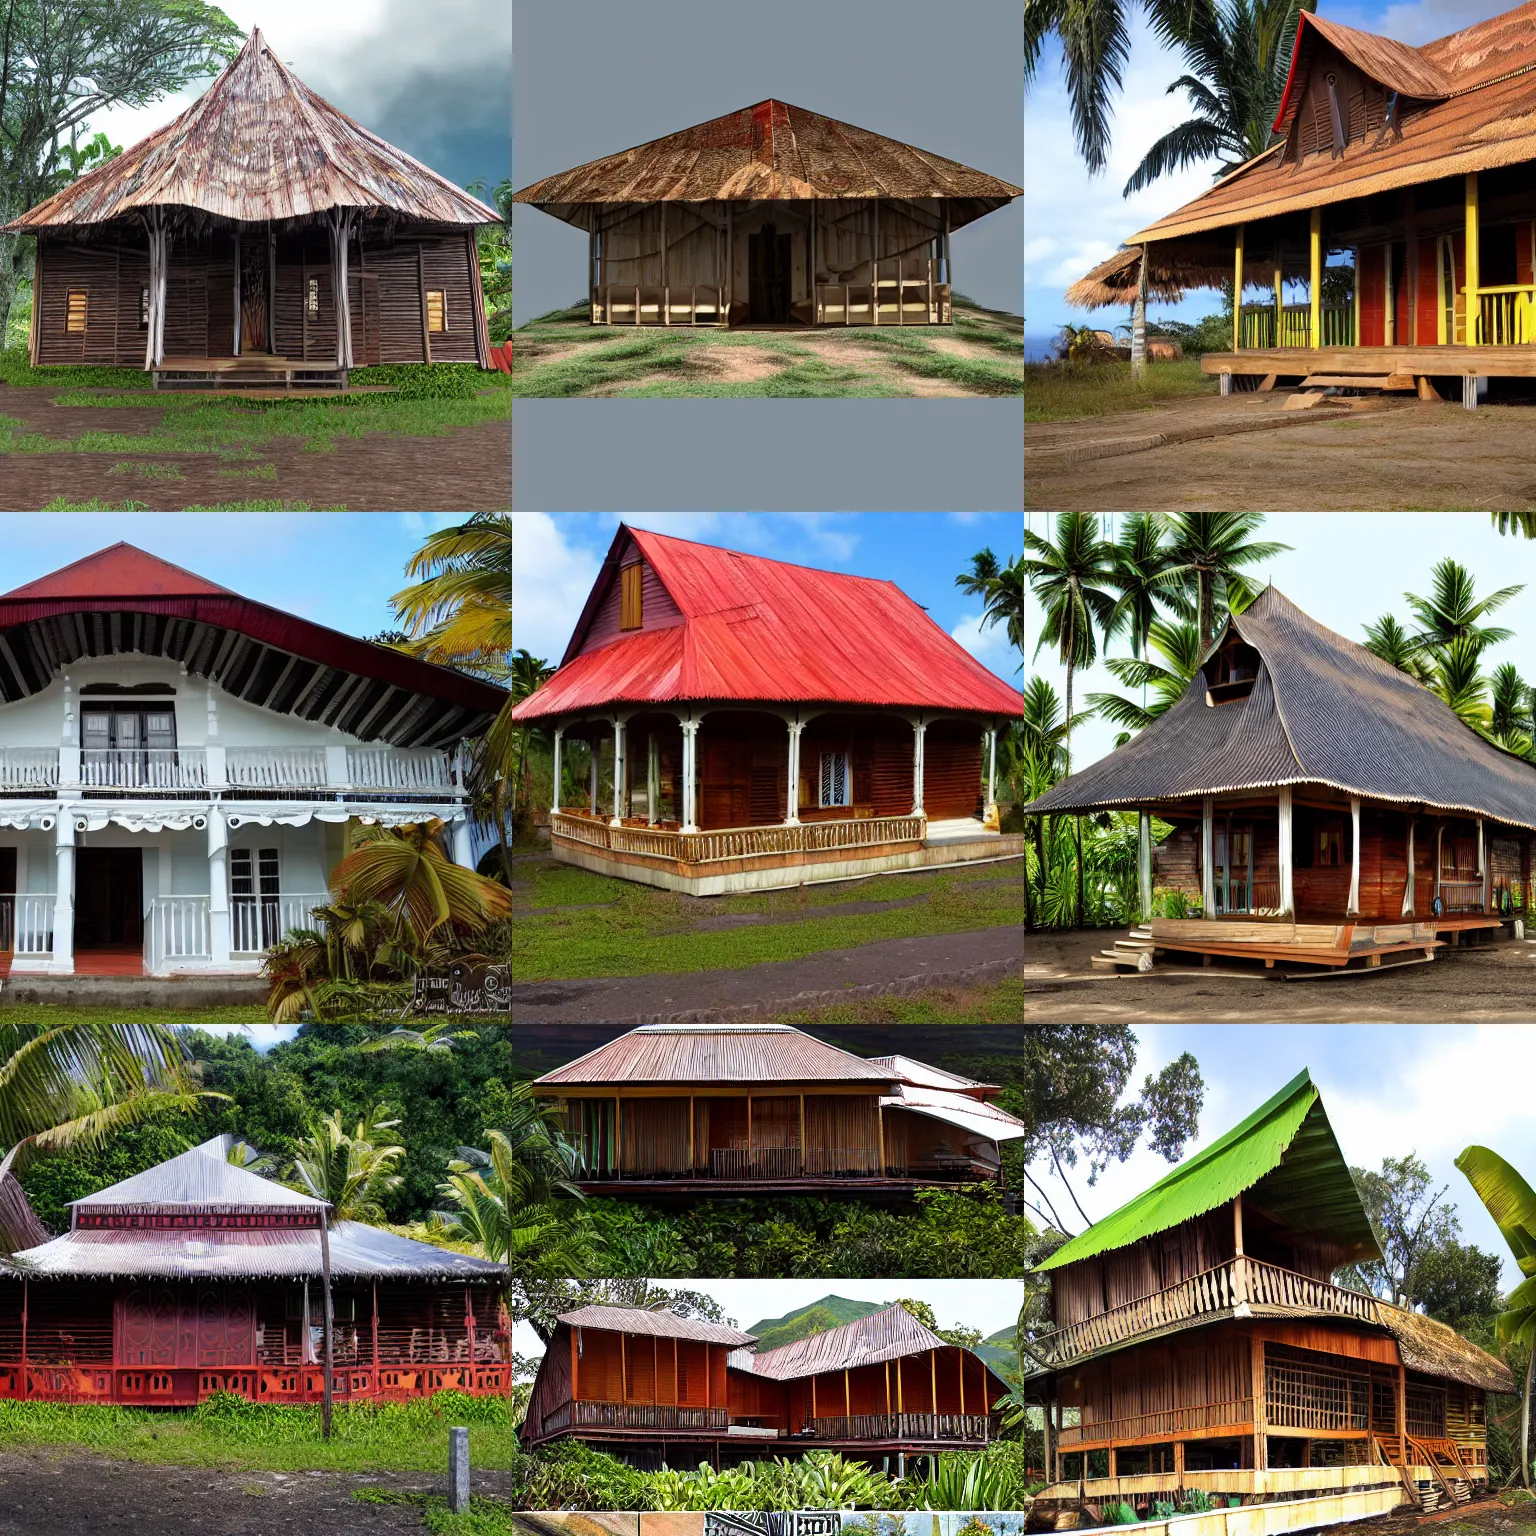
{"points": [[15, 369], [1120, 1514], [426, 381], [1196, 1501]]}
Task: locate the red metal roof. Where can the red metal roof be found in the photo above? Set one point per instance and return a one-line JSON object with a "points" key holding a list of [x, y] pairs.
{"points": [[765, 630], [121, 571]]}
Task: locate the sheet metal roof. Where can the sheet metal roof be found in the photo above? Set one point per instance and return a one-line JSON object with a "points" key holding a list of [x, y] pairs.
{"points": [[258, 144], [1480, 85], [770, 150], [123, 600], [716, 1053], [357, 1252], [1285, 1152], [200, 1178], [921, 1075], [658, 1324], [759, 629], [959, 1110], [1323, 710]]}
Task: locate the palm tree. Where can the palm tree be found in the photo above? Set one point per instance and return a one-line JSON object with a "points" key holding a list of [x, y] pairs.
{"points": [[1141, 576], [437, 1039], [1388, 639], [1454, 611], [1238, 53], [1209, 550], [1456, 676], [1001, 589], [1523, 523], [529, 673], [1180, 648], [351, 1171], [1512, 1204], [1509, 705]]}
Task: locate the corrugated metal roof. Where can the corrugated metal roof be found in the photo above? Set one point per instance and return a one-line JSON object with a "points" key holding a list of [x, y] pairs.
{"points": [[121, 570], [921, 1075], [357, 1252], [1323, 710], [258, 144], [889, 1334], [768, 151], [201, 1177], [759, 629], [958, 1109], [660, 1324], [1285, 1149], [716, 1053]]}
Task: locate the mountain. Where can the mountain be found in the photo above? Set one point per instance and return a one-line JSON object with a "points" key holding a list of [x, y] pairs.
{"points": [[999, 1353], [820, 1316]]}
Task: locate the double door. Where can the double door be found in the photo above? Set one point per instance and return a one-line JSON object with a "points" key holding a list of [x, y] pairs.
{"points": [[128, 747], [1232, 865]]}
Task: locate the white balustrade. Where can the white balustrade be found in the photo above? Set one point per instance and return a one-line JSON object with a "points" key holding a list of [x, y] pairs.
{"points": [[276, 767], [31, 930], [29, 767], [258, 922], [157, 768], [396, 768], [176, 928]]}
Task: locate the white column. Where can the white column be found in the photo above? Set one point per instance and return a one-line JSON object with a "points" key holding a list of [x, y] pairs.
{"points": [[219, 935], [69, 741], [1482, 863], [918, 729], [1207, 853], [554, 794], [593, 754], [619, 797], [690, 772], [1354, 857], [1287, 855], [1408, 888], [463, 844], [64, 892], [792, 789], [652, 777], [992, 766], [1144, 863], [218, 766]]}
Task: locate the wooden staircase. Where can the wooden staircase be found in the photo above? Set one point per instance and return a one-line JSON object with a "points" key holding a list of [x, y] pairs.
{"points": [[1137, 952], [1449, 1482]]}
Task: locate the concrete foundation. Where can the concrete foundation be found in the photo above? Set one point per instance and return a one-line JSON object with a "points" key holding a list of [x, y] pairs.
{"points": [[176, 992]]}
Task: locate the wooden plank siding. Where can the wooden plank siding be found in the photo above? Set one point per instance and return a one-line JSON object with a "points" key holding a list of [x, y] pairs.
{"points": [[657, 608], [952, 769]]}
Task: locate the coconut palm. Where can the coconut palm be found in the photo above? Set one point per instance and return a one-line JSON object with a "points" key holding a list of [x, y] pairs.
{"points": [[1209, 550], [529, 673], [352, 1171], [1388, 639], [1456, 675], [1512, 1204], [437, 1039], [1453, 610], [1001, 589], [1179, 646], [1523, 523], [1141, 575], [1509, 710]]}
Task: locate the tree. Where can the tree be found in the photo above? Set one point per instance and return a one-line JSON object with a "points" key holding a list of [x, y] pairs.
{"points": [[1140, 566], [62, 62], [1209, 551], [1237, 53], [1001, 589], [965, 1338], [1458, 1283], [1411, 1220], [529, 674], [1180, 647], [1453, 611], [1509, 710], [1388, 639], [352, 1171], [1512, 1204]]}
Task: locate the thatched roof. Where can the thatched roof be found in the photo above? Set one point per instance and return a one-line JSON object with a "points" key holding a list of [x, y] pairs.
{"points": [[19, 1226], [1323, 710], [1114, 280], [1438, 1350], [258, 144]]}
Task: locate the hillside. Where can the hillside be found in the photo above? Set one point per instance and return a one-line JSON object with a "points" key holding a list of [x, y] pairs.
{"points": [[999, 1353], [820, 1316]]}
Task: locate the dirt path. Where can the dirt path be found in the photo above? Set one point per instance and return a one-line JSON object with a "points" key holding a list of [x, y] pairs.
{"points": [[1422, 457], [47, 1492], [1489, 1517], [762, 992], [1484, 984]]}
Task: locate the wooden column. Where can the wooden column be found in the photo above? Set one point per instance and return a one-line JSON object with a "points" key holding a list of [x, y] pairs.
{"points": [[802, 1096], [706, 1376], [693, 1157], [847, 1395], [623, 1370], [421, 290], [1317, 277], [591, 258], [25, 1286], [1051, 1414], [730, 260], [666, 291], [1389, 300], [575, 1362], [1144, 863], [887, 1389], [961, 1362], [900, 1407], [1279, 298], [325, 1280], [1411, 211], [1474, 263], [1237, 290], [933, 1386], [1525, 875], [1401, 1406], [1260, 1423], [674, 1371], [618, 1128], [1353, 909]]}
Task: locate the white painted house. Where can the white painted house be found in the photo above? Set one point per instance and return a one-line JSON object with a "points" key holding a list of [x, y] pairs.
{"points": [[179, 764]]}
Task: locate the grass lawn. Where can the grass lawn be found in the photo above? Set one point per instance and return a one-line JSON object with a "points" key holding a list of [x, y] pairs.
{"points": [[560, 355], [571, 923], [51, 1013], [1056, 392]]}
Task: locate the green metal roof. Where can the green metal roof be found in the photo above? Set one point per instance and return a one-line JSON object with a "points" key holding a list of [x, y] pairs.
{"points": [[1284, 1152]]}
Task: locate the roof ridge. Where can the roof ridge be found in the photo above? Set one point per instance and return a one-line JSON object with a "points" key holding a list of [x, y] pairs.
{"points": [[101, 554]]}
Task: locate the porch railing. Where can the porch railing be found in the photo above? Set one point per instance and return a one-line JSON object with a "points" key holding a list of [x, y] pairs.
{"points": [[396, 768], [1507, 315], [908, 1426], [276, 767], [756, 1163], [1263, 326], [176, 928], [590, 1415], [26, 925], [899, 290], [157, 768], [737, 842], [1219, 1289], [1461, 895], [256, 923], [674, 304], [29, 767], [1167, 1421]]}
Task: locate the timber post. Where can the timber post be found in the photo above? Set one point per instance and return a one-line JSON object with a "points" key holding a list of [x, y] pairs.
{"points": [[1237, 289], [1260, 1422], [1144, 863], [1411, 219], [1285, 825], [620, 776], [1474, 302], [1207, 872], [1317, 278], [1408, 886], [1139, 318], [1279, 298], [1353, 908]]}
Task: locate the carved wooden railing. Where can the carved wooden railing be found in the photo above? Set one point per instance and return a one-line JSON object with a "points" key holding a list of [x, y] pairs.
{"points": [[1223, 1288], [737, 842], [908, 1426], [644, 1416], [1168, 1421]]}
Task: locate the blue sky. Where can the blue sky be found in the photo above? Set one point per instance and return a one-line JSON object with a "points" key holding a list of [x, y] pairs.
{"points": [[1388, 1089], [334, 568], [1072, 221], [556, 556]]}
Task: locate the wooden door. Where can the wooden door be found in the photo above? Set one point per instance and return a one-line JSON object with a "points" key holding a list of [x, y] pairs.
{"points": [[768, 269], [254, 335], [369, 354], [108, 891], [147, 1326], [225, 1329]]}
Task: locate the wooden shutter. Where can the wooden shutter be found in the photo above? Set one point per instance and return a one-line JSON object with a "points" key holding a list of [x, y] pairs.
{"points": [[95, 730], [437, 310], [160, 730], [631, 612], [75, 311]]}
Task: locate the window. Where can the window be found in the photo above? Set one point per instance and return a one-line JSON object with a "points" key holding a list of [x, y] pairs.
{"points": [[129, 747], [144, 307], [74, 312], [630, 603], [312, 298], [834, 778], [437, 310], [1329, 846], [254, 912]]}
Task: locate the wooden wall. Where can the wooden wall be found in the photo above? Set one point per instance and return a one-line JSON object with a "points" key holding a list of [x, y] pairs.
{"points": [[657, 609], [1091, 1286], [743, 770], [952, 767], [638, 1368]]}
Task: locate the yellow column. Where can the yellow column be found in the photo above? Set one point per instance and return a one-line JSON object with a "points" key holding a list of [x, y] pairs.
{"points": [[1474, 266], [1317, 277], [1237, 291], [1279, 301]]}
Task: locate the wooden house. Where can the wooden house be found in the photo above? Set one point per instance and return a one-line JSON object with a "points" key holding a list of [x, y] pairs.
{"points": [[765, 724], [695, 1109], [1327, 807], [262, 236], [198, 1276], [179, 765], [1198, 1345], [1414, 164], [770, 216], [653, 1388]]}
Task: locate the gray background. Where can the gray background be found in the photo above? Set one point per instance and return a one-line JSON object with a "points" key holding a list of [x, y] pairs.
{"points": [[592, 77], [768, 455]]}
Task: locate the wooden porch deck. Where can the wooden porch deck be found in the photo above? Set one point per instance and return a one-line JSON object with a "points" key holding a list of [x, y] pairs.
{"points": [[1511, 362], [254, 370], [1335, 944]]}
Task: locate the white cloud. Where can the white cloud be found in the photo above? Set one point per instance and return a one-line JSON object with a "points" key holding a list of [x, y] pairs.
{"points": [[1423, 20], [989, 646], [551, 578], [967, 517]]}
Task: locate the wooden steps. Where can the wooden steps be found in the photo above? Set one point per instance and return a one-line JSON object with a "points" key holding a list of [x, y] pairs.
{"points": [[1136, 952], [252, 371]]}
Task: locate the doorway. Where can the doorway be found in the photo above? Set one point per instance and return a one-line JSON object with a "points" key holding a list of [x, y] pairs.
{"points": [[1232, 859], [768, 269], [7, 899], [109, 900], [369, 354], [253, 298]]}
